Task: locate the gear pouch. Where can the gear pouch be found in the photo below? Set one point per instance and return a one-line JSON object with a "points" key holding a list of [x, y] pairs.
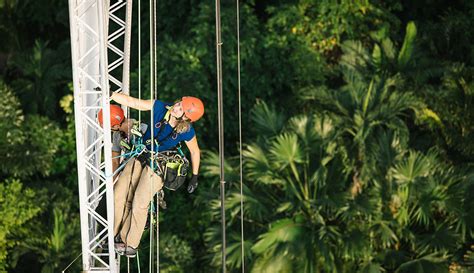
{"points": [[174, 175]]}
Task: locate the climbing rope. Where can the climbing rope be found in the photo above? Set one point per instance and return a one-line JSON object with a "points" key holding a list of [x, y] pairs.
{"points": [[156, 96], [64, 270], [138, 262], [139, 58], [157, 234], [138, 150], [221, 128], [242, 248], [152, 124]]}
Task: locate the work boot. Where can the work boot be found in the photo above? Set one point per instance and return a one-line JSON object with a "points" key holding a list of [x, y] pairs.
{"points": [[119, 248], [130, 252]]}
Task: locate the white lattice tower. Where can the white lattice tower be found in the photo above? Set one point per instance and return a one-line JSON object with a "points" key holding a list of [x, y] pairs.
{"points": [[89, 24]]}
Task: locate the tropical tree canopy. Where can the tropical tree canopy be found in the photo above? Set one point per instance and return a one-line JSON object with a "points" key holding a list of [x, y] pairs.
{"points": [[358, 136]]}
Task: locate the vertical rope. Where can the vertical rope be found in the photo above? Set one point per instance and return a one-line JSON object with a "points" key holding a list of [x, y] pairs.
{"points": [[240, 144], [221, 129], [157, 234], [139, 59], [152, 126], [155, 49], [128, 264], [138, 262], [155, 63]]}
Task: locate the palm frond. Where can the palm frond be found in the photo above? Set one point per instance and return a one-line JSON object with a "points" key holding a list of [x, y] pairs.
{"points": [[281, 231], [371, 267], [302, 126], [408, 45], [355, 243], [384, 233], [323, 126], [258, 166], [267, 121], [256, 206], [272, 263], [211, 166], [389, 49], [442, 239], [435, 263], [412, 167], [285, 150], [355, 57], [234, 254]]}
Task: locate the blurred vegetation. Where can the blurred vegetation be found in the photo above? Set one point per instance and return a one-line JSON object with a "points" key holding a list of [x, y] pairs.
{"points": [[358, 136]]}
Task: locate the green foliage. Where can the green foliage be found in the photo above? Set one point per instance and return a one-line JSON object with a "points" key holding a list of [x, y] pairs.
{"points": [[42, 75], [267, 121], [177, 254], [29, 144], [54, 248], [16, 208], [64, 162], [12, 118], [22, 18], [357, 156], [407, 49], [454, 101], [429, 263], [393, 198]]}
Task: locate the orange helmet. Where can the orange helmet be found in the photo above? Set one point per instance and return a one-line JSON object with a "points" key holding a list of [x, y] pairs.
{"points": [[193, 108], [116, 115]]}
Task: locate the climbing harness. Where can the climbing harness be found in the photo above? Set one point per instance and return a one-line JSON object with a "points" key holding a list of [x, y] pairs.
{"points": [[171, 165]]}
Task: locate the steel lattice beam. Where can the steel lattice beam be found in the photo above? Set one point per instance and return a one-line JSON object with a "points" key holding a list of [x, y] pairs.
{"points": [[96, 58]]}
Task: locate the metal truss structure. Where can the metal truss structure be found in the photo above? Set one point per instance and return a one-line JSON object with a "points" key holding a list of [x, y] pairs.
{"points": [[100, 63]]}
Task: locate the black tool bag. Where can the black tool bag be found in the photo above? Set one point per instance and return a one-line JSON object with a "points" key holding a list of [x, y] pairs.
{"points": [[174, 168]]}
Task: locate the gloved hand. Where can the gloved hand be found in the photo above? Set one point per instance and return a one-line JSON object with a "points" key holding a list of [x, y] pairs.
{"points": [[193, 183], [110, 91], [143, 159]]}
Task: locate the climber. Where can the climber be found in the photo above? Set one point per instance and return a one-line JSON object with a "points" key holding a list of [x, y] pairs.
{"points": [[138, 182], [121, 130]]}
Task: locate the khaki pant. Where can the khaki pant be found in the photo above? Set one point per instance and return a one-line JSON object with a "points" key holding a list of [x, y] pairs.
{"points": [[133, 193]]}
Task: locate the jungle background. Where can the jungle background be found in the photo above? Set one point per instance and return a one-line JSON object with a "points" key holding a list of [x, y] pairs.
{"points": [[358, 125]]}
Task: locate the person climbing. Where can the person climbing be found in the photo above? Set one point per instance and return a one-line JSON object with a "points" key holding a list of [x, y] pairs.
{"points": [[138, 182], [121, 130], [121, 134]]}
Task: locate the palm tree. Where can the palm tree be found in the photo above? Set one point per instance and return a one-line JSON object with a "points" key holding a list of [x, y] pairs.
{"points": [[386, 59], [301, 210], [340, 189], [286, 176]]}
